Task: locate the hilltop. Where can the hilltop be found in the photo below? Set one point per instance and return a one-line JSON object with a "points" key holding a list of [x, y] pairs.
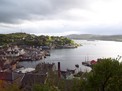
{"points": [[34, 40]]}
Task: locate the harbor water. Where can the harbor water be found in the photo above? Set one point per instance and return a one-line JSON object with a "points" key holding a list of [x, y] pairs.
{"points": [[90, 50]]}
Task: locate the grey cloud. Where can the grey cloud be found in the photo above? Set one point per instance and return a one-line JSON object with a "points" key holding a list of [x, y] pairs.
{"points": [[15, 11]]}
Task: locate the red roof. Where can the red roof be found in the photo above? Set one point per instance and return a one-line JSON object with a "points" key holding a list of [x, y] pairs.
{"points": [[93, 62]]}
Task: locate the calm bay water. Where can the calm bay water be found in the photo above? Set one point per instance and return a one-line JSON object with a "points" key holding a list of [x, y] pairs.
{"points": [[91, 50]]}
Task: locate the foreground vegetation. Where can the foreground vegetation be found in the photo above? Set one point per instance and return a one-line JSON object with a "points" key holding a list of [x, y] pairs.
{"points": [[106, 75], [33, 40]]}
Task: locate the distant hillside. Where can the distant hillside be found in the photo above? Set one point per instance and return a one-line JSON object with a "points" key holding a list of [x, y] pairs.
{"points": [[95, 37], [33, 40]]}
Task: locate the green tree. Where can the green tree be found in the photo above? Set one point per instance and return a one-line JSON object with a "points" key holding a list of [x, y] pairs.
{"points": [[12, 87], [106, 75], [44, 87], [38, 87]]}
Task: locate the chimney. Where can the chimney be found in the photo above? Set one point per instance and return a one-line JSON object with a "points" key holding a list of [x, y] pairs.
{"points": [[59, 70]]}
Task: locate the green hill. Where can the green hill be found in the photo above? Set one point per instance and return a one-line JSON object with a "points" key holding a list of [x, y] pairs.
{"points": [[33, 40]]}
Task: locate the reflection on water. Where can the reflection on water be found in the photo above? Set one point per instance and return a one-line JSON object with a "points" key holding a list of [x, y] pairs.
{"points": [[91, 50]]}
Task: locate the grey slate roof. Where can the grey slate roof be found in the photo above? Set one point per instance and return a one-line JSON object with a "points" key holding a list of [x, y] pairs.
{"points": [[9, 76], [30, 79]]}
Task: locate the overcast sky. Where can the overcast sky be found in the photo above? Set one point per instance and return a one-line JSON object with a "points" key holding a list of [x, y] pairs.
{"points": [[61, 17]]}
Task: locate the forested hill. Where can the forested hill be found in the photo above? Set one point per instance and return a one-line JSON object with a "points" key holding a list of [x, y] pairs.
{"points": [[33, 40], [95, 37]]}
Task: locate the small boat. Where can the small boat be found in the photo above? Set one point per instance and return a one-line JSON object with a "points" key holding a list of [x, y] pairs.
{"points": [[77, 65], [89, 63], [86, 63], [25, 59]]}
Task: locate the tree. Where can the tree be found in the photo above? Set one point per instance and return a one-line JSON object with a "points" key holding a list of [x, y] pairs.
{"points": [[44, 87], [38, 87], [106, 75], [11, 87]]}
